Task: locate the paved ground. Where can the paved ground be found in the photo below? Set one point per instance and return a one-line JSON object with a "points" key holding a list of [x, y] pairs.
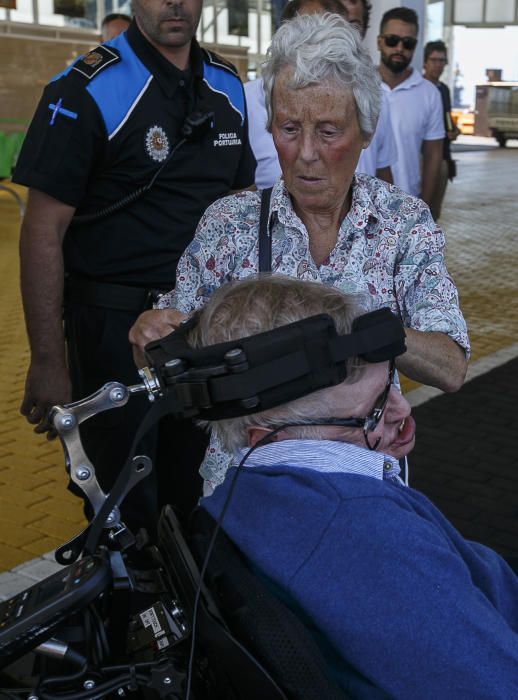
{"points": [[464, 459], [36, 512]]}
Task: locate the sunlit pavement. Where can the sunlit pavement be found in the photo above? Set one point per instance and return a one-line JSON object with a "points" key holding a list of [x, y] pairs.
{"points": [[463, 458], [36, 511]]}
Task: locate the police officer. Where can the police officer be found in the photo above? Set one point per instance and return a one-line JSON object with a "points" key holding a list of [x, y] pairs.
{"points": [[112, 205]]}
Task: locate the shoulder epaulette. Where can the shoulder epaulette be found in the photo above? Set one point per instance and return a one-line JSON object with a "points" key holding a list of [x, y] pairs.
{"points": [[216, 60], [96, 61]]}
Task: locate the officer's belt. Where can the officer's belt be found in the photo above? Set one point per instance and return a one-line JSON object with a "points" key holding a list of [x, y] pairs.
{"points": [[120, 297]]}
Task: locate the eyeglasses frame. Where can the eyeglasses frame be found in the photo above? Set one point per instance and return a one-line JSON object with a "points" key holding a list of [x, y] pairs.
{"points": [[404, 40], [369, 422]]}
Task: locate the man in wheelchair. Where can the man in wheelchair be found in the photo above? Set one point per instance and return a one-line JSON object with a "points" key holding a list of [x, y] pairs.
{"points": [[345, 583], [400, 604]]}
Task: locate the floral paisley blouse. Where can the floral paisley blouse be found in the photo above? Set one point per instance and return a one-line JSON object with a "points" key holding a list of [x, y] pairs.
{"points": [[388, 247]]}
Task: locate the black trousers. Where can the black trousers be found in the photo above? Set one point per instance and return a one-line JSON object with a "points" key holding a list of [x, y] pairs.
{"points": [[99, 352]]}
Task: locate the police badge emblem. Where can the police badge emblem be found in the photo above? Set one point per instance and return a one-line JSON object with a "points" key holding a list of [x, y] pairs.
{"points": [[157, 143], [96, 61], [93, 59]]}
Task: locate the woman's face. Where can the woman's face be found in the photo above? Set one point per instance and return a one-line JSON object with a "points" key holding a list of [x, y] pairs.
{"points": [[318, 140]]}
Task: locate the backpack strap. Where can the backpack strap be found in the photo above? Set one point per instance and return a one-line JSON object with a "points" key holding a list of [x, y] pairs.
{"points": [[265, 239]]}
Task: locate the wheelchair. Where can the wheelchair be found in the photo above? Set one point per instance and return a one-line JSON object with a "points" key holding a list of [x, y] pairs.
{"points": [[127, 630], [185, 618]]}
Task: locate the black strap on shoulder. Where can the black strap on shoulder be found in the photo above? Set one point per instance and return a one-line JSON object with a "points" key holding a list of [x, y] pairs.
{"points": [[265, 239]]}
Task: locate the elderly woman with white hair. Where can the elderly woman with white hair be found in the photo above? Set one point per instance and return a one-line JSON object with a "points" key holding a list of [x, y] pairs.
{"points": [[325, 223]]}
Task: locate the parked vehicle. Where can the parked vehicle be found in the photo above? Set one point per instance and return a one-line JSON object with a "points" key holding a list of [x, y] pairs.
{"points": [[496, 111]]}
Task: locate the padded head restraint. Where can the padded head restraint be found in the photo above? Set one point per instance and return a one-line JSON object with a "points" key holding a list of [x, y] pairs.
{"points": [[253, 374]]}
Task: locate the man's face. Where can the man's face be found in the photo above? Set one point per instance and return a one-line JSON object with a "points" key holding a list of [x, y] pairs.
{"points": [[396, 429], [168, 23], [397, 58], [354, 10], [435, 64]]}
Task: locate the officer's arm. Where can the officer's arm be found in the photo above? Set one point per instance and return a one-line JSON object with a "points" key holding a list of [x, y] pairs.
{"points": [[41, 260]]}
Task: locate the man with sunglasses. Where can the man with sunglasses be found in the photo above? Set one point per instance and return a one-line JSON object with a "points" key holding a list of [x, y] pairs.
{"points": [[399, 603], [415, 106]]}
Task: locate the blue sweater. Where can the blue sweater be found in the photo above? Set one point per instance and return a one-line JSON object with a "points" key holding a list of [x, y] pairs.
{"points": [[410, 609]]}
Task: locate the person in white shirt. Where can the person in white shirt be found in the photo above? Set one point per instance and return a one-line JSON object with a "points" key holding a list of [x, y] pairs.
{"points": [[415, 106], [376, 159], [268, 168]]}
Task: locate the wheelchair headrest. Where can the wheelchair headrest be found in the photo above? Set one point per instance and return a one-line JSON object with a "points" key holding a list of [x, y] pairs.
{"points": [[262, 371]]}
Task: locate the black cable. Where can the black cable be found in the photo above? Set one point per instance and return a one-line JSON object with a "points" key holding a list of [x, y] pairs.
{"points": [[87, 627], [122, 679], [263, 441], [195, 126], [98, 691], [103, 638], [93, 640], [51, 680], [11, 693], [129, 198], [141, 665]]}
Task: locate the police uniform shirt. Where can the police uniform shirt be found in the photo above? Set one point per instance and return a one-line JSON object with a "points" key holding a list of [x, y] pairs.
{"points": [[102, 129]]}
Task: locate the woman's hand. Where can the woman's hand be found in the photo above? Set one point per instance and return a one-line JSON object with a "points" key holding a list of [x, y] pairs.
{"points": [[152, 325]]}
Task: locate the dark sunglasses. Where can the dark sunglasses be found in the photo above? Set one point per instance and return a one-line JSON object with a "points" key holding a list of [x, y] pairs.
{"points": [[368, 423], [392, 40]]}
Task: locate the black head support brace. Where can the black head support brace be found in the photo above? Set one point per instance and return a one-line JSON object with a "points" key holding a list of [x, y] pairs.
{"points": [[262, 371]]}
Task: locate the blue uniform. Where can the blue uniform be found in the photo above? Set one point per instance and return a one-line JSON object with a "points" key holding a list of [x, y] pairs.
{"points": [[102, 129]]}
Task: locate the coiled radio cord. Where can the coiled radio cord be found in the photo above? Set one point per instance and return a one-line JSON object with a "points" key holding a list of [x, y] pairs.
{"points": [[194, 127]]}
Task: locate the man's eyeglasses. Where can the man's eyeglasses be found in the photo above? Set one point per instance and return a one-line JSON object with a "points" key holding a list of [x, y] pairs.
{"points": [[370, 422], [392, 40]]}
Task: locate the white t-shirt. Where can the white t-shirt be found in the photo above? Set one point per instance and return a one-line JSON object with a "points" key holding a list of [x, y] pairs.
{"points": [[417, 115], [268, 168], [380, 152]]}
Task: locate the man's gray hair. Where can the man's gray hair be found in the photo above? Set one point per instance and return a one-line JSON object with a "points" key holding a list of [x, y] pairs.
{"points": [[324, 48], [262, 303]]}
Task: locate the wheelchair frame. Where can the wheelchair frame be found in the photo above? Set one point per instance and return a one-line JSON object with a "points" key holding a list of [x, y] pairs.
{"points": [[132, 634]]}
